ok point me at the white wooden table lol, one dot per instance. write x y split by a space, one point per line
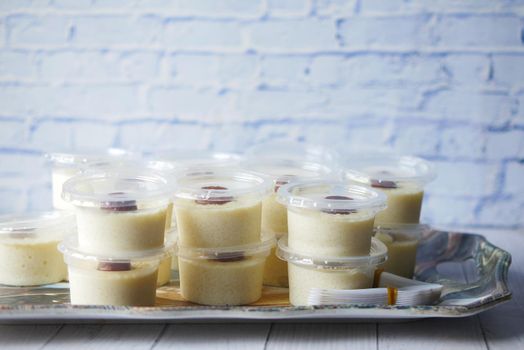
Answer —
499 328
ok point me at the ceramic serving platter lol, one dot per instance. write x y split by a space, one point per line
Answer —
473 271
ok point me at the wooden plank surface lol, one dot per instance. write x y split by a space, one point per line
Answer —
239 336
98 337
326 336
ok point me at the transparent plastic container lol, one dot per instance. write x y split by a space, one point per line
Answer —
120 210
312 271
223 276
330 218
28 247
219 207
402 241
67 165
128 279
401 178
166 265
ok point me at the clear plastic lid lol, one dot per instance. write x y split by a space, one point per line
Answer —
119 190
377 255
220 186
386 170
285 170
82 158
72 253
290 149
189 159
53 224
164 167
331 197
401 232
230 254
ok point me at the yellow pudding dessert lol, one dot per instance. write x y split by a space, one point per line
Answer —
223 276
119 210
400 178
402 242
307 271
282 169
219 208
330 218
29 253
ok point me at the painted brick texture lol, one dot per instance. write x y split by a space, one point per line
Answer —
440 79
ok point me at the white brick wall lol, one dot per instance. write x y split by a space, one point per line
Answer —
443 79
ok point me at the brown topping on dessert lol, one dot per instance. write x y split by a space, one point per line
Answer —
23 233
383 183
280 182
128 205
339 211
230 257
215 200
114 266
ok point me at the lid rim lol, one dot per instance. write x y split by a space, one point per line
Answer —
378 255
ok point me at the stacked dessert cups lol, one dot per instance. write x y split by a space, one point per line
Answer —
28 247
329 243
121 236
221 247
282 170
402 179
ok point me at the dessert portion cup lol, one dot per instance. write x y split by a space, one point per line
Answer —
401 178
223 276
330 218
308 271
402 241
274 215
29 253
219 207
111 279
119 211
67 165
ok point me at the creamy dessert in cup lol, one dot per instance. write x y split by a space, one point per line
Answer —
223 276
330 218
274 214
401 178
67 165
119 211
29 253
219 207
327 272
402 241
111 279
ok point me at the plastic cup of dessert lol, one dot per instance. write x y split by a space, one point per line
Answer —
402 241
67 165
223 276
327 272
112 279
330 218
29 253
219 207
164 168
401 178
274 215
120 211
